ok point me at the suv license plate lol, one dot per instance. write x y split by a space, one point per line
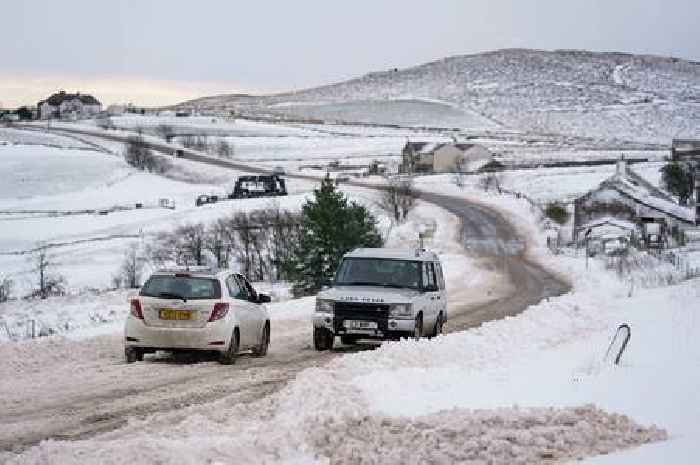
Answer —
171 314
356 324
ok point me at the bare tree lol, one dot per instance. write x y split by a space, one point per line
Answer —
49 283
201 143
490 181
398 198
217 242
190 243
224 149
188 141
129 274
240 222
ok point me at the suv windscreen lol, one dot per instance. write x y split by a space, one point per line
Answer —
181 287
378 272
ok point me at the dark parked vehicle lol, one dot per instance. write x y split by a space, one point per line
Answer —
204 198
258 186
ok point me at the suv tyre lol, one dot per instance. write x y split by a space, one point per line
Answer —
323 339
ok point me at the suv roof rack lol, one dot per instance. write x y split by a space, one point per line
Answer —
193 268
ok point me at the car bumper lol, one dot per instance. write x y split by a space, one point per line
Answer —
214 336
389 327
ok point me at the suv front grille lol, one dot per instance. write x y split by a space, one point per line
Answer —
361 311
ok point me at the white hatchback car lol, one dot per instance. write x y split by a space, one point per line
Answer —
198 311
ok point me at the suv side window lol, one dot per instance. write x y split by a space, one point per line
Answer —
234 289
428 276
440 277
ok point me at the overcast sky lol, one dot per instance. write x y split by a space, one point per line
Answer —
164 51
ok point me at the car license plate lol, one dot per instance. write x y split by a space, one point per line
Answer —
172 314
357 324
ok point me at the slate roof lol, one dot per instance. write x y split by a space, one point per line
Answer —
60 97
640 190
430 147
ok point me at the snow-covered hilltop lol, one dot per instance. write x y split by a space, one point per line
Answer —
603 95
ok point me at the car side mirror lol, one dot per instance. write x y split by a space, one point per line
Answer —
264 299
326 284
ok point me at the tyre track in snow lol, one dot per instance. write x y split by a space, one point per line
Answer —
110 394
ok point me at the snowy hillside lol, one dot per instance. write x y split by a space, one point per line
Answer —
603 95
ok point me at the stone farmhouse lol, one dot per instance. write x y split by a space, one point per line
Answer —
69 106
428 157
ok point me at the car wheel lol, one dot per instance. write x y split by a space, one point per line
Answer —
323 339
418 328
437 330
348 340
261 349
133 354
229 357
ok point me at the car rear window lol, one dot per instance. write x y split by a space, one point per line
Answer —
185 287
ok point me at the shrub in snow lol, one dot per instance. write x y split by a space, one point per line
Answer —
678 179
556 211
490 181
140 156
165 131
5 288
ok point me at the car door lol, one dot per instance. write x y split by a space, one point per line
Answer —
257 310
442 293
430 294
242 307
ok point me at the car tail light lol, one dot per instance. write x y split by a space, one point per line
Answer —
136 309
220 311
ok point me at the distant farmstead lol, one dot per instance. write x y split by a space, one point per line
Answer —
69 106
428 157
685 149
627 198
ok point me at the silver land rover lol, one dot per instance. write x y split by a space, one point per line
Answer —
382 294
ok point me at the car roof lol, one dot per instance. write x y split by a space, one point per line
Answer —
420 255
194 271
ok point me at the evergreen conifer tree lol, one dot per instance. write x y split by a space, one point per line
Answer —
331 226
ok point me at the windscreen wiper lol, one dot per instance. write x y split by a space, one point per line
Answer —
171 295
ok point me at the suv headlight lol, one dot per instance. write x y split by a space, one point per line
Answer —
324 306
401 310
